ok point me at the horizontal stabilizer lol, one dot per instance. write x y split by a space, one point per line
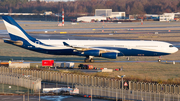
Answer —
19 43
8 40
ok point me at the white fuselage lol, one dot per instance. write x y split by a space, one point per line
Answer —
155 46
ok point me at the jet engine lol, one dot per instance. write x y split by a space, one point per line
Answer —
111 55
92 53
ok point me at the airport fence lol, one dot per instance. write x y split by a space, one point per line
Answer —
72 79
123 94
21 80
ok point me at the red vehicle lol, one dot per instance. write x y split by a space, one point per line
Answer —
89 67
49 63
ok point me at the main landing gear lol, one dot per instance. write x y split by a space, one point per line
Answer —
89 59
159 60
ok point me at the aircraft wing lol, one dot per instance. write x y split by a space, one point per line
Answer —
82 49
98 52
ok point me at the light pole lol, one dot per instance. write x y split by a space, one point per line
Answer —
122 84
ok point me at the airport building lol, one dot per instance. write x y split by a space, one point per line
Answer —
169 17
109 13
102 14
90 18
119 15
156 17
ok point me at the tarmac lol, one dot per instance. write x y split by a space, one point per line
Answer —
45 98
20 98
16 97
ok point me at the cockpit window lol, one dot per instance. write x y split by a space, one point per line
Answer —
171 46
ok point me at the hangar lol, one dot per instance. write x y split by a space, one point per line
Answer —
102 14
109 13
90 18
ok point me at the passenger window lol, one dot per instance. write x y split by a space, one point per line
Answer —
170 45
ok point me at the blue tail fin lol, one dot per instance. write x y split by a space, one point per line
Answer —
15 31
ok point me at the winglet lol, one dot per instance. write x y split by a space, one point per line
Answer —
66 44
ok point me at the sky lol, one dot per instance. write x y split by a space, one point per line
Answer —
53 0
58 0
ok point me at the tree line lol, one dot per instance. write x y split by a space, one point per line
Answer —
88 7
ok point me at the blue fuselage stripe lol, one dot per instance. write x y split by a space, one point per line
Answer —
123 51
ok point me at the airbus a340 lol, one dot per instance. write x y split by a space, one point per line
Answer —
87 48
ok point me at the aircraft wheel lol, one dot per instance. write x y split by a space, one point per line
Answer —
86 60
92 60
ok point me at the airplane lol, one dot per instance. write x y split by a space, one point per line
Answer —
88 48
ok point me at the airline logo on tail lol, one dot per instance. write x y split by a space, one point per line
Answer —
17 34
15 31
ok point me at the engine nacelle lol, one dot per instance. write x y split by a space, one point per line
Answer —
111 55
92 52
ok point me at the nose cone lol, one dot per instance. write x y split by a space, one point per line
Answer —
175 49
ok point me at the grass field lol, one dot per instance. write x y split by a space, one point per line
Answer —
145 35
5 88
53 25
159 72
143 71
139 32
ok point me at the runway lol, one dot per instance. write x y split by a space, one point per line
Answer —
72 37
